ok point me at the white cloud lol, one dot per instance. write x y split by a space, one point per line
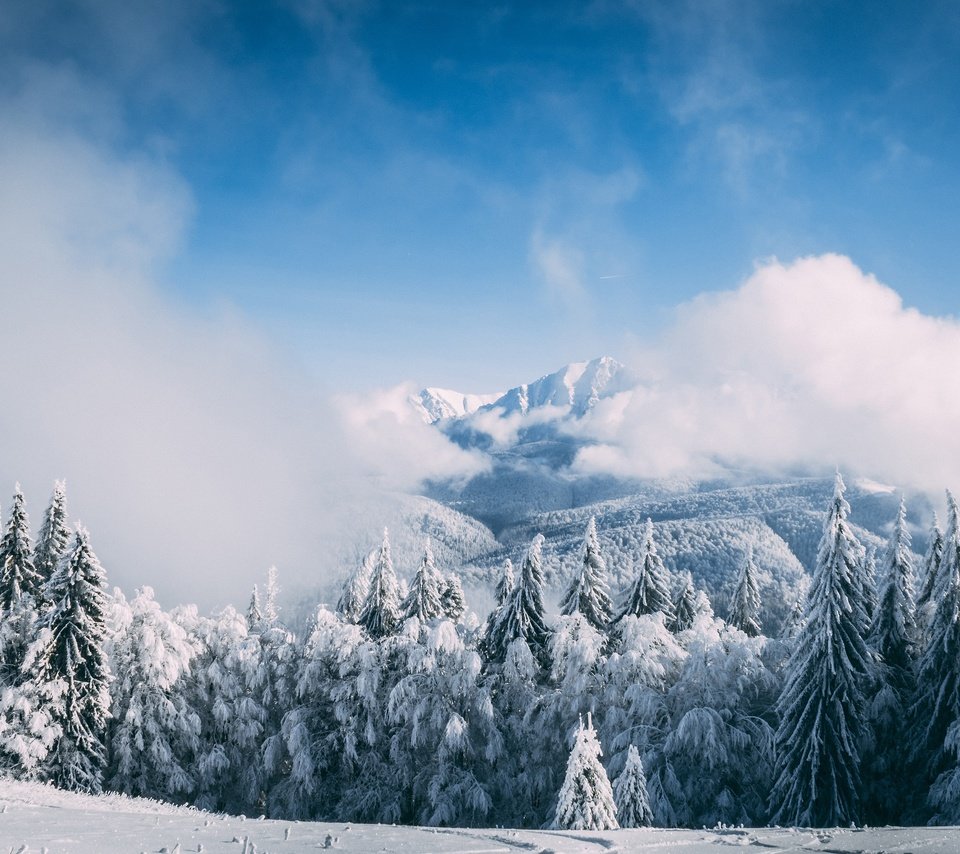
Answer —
812 363
559 266
197 451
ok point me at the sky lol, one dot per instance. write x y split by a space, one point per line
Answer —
235 236
471 194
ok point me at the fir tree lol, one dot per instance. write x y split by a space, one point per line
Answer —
18 577
936 708
893 638
423 599
926 601
522 615
630 793
156 734
745 608
254 612
505 582
381 609
650 591
817 778
356 588
589 593
52 539
685 607
452 598
586 800
271 611
68 664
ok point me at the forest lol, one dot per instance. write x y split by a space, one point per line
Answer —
640 707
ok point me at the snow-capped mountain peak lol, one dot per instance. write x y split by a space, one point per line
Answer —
575 387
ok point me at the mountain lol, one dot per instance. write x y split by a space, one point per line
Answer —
574 390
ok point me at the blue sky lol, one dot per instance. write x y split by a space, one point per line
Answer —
470 194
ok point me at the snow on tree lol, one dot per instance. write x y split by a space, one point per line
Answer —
936 709
381 609
271 611
446 738
156 735
589 592
254 611
68 665
28 729
821 707
927 600
630 793
505 582
522 615
685 606
53 537
650 591
893 637
356 588
793 625
18 577
745 607
423 599
452 597
228 767
586 799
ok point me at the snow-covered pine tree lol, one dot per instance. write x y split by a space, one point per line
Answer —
156 735
630 793
271 611
452 599
936 709
893 637
505 582
817 777
356 588
589 592
684 606
927 600
68 664
19 591
793 624
254 611
381 609
423 598
52 539
586 799
18 577
650 591
745 607
869 586
522 615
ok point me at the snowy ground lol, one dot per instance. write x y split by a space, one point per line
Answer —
35 818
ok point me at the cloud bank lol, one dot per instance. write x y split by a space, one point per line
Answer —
807 364
197 451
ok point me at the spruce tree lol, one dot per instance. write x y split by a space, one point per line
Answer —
452 598
936 707
69 664
381 609
505 582
893 638
423 599
522 615
589 592
356 588
745 607
586 800
685 607
53 537
926 601
650 591
630 793
271 611
821 707
18 577
254 611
